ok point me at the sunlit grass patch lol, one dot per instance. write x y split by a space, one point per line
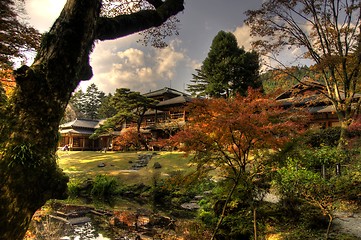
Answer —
83 165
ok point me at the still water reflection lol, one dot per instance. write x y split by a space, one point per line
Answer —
84 231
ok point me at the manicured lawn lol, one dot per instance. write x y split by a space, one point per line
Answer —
83 165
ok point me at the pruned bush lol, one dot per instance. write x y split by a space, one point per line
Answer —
104 187
322 137
74 188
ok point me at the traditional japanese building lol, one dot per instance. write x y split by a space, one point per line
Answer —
166 117
168 113
311 95
159 122
76 135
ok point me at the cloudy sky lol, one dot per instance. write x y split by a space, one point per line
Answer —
126 63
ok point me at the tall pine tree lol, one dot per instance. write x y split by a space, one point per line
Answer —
106 109
77 102
227 70
87 104
92 101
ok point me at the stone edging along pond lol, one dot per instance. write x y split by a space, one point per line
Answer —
126 224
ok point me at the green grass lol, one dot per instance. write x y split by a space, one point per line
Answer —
83 165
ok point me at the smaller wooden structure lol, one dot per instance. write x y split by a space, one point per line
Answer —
75 135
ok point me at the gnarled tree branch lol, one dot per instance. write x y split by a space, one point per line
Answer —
123 25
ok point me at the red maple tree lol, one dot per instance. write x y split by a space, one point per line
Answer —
227 133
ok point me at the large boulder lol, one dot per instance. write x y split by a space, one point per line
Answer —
157 165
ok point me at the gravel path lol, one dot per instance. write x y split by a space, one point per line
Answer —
348 223
345 222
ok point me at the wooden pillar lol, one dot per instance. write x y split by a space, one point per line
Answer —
71 141
338 169
156 116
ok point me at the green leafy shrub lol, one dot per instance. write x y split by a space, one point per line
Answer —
237 226
349 184
206 212
104 187
74 188
322 137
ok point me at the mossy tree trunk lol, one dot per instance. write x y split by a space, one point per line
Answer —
344 125
29 175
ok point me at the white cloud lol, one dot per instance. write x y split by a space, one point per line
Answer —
132 56
167 60
137 68
43 13
243 37
287 57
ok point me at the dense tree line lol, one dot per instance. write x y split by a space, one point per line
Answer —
89 104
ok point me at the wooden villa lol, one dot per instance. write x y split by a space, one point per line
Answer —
167 116
163 120
309 94
170 106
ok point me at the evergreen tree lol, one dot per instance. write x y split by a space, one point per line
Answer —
130 107
92 101
77 101
107 109
87 105
227 70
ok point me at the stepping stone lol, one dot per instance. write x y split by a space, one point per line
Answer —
80 220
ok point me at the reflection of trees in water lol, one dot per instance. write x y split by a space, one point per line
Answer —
46 228
51 228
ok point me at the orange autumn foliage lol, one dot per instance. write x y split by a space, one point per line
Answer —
229 129
128 139
7 81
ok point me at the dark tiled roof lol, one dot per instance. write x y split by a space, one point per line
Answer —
301 87
163 91
308 92
152 112
82 131
174 101
322 109
80 123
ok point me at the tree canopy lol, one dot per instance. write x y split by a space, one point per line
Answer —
106 109
130 107
227 70
16 36
325 32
